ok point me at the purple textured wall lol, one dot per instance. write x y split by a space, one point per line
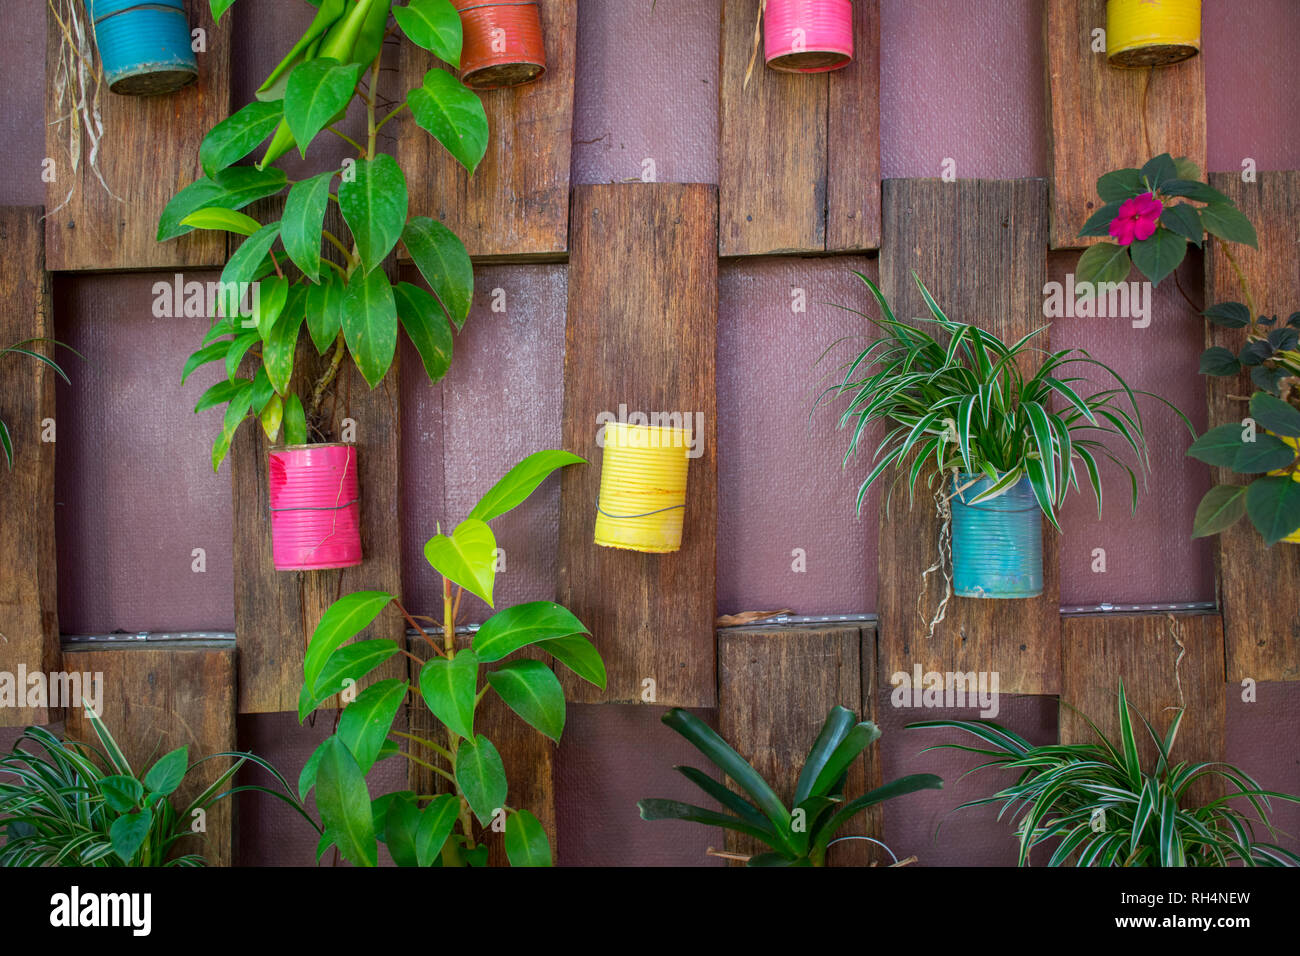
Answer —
958 80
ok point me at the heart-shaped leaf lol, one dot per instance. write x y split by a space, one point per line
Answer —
434 25
467 557
453 115
449 687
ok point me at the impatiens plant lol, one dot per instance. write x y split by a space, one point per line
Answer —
1152 214
439 829
797 835
344 298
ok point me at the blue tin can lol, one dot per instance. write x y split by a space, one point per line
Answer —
997 545
145 48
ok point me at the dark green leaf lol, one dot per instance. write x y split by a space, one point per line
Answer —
453 115
532 691
166 775
317 91
1275 415
1228 223
374 203
1231 315
1274 507
1268 379
427 327
121 792
1182 219
303 220
1159 255
1158 171
325 311
242 265
1121 184
129 832
481 777
221 393
238 135
1219 446
1219 361
369 319
401 821
441 258
449 687
526 842
1098 224
436 823
295 421
579 655
344 804
434 25
507 631
1104 262
1265 453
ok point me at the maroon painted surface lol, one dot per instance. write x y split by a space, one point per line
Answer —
134 489
962 81
501 401
1252 100
646 87
1149 556
22 104
614 755
1261 740
781 483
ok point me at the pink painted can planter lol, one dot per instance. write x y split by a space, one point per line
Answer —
808 36
315 507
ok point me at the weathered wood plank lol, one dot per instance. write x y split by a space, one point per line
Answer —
1166 661
516 205
29 627
642 332
853 140
156 698
775 688
948 232
1104 118
1257 585
277 611
527 756
149 151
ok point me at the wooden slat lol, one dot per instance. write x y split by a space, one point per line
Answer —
527 755
853 140
516 205
1144 650
160 697
1097 114
277 611
642 331
150 150
775 688
1262 634
948 233
798 155
29 627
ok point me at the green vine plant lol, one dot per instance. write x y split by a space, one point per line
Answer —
67 803
438 829
1154 213
345 299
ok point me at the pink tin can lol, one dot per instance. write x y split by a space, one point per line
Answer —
808 36
315 507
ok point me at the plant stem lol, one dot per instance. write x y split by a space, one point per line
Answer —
391 113
346 138
428 766
337 243
423 741
318 393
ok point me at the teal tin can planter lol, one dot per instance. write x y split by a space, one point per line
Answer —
997 545
144 48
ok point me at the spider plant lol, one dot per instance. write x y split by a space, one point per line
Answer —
1106 810
963 400
65 803
21 348
798 835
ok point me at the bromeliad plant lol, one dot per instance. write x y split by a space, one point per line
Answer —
1106 810
345 299
420 829
1153 213
65 803
798 835
963 404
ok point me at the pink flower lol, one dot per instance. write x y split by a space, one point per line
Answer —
1137 219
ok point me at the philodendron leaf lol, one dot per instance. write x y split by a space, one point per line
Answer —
128 833
507 631
279 349
226 220
532 691
122 792
445 264
241 267
1274 414
374 202
467 557
580 656
232 188
317 91
349 663
427 327
434 25
436 823
295 421
303 220
166 775
453 115
526 842
325 311
369 319
1274 507
365 723
344 804
1222 507
400 820
449 687
1104 262
521 481
238 135
481 777
342 620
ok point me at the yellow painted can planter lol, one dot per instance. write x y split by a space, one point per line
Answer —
1152 32
642 488
1293 537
